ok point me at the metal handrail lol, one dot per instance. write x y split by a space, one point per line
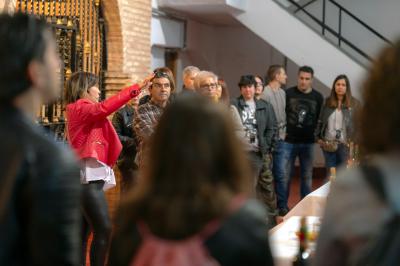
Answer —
360 21
338 34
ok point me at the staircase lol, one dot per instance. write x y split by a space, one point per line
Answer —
302 31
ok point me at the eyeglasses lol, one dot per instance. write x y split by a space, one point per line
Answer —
209 86
259 84
161 85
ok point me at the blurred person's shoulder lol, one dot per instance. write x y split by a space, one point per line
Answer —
351 202
242 238
246 225
37 144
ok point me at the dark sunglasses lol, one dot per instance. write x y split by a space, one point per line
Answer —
160 74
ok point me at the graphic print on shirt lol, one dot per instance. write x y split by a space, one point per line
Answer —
302 112
250 125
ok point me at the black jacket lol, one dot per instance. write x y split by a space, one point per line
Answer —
266 122
39 196
123 124
241 240
348 114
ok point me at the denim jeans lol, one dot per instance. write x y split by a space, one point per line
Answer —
305 152
280 160
337 158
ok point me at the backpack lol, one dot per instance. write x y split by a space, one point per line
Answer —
384 250
155 251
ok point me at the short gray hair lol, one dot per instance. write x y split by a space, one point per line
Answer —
202 75
190 70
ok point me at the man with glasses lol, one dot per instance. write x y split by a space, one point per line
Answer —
259 124
149 113
205 84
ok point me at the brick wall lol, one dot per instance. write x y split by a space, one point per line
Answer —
7 5
136 22
128 42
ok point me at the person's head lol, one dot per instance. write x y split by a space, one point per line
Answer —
134 102
169 73
222 91
28 58
379 123
276 73
205 84
162 86
259 88
195 169
341 91
305 78
247 85
82 85
188 76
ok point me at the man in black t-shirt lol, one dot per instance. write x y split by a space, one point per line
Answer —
303 106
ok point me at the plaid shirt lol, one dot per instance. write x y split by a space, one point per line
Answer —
146 119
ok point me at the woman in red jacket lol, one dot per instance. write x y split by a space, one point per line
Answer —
95 141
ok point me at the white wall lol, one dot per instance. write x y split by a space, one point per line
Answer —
231 52
301 44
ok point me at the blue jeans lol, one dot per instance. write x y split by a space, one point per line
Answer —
279 165
305 152
337 158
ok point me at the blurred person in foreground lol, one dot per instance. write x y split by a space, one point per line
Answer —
193 201
39 181
365 199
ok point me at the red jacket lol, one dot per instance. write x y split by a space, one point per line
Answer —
90 133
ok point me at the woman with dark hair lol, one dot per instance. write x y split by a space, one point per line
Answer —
335 128
363 202
222 92
199 180
259 86
96 143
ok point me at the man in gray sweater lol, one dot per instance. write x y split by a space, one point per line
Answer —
275 95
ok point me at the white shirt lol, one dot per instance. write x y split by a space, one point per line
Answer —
335 124
94 170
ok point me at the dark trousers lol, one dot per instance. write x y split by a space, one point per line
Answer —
97 220
305 152
128 170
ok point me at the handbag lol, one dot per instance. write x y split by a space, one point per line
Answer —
329 145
